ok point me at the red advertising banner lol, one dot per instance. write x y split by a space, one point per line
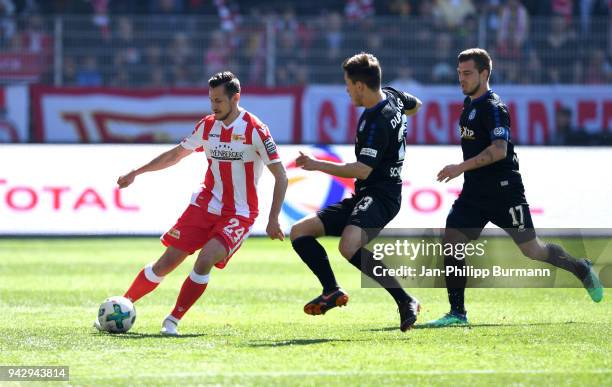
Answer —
20 66
314 115
329 116
105 115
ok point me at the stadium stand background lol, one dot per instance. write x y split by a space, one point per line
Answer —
179 43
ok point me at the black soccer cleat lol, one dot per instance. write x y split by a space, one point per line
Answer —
408 311
325 302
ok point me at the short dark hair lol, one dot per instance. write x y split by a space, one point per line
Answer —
480 56
363 67
228 79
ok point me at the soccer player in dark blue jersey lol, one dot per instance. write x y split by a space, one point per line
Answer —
493 189
379 150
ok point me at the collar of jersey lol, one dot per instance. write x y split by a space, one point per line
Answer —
378 105
482 97
233 122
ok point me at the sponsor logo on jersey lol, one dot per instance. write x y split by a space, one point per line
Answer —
368 152
214 135
225 152
472 115
238 137
395 171
270 146
499 131
466 133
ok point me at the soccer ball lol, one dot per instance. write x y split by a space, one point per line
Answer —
116 315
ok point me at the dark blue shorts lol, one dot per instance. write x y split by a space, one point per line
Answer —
504 206
368 210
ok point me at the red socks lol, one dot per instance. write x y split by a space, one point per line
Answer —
144 283
192 289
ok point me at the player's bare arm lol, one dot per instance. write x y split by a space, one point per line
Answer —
164 160
493 153
354 170
273 229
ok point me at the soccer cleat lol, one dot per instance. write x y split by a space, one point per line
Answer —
408 311
448 320
323 303
591 282
169 327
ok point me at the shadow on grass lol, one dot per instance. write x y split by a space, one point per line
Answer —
136 335
284 343
470 326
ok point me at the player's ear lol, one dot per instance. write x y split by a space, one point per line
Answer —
360 86
236 98
487 74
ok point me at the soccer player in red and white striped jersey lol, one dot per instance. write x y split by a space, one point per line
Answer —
221 214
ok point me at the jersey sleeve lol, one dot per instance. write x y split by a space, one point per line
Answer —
408 100
497 122
373 150
194 141
265 145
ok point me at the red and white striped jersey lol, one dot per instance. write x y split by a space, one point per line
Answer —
236 155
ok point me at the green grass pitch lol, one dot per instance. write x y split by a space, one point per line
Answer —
249 328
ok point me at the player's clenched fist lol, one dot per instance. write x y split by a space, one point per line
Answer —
274 230
126 179
306 162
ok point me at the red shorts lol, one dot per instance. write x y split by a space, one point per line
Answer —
197 226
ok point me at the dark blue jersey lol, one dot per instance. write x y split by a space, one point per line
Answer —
484 120
380 141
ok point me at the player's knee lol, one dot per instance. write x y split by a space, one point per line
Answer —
299 230
348 249
296 232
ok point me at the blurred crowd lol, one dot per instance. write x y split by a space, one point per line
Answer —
179 43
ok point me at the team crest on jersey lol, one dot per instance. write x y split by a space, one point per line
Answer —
361 126
472 115
238 137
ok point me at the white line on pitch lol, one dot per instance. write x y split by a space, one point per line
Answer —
373 373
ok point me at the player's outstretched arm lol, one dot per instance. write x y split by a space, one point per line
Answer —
164 160
493 153
273 229
356 170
